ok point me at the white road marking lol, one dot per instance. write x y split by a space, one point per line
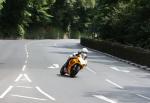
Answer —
104 98
27 56
126 71
90 70
26 48
27 77
54 66
21 75
7 90
109 81
18 78
23 68
29 97
148 98
23 87
115 68
50 97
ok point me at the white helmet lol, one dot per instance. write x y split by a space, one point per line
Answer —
84 50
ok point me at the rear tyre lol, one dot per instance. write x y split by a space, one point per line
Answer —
62 70
75 69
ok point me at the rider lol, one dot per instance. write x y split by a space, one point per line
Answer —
82 53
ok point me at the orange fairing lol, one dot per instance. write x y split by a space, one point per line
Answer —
72 62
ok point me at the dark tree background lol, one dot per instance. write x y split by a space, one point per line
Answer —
124 21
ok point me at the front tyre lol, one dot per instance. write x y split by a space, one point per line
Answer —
75 69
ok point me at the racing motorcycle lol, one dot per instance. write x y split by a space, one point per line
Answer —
74 65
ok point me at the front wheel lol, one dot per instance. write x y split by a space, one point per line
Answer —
75 69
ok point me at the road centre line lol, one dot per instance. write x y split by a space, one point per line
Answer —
27 56
29 97
47 95
104 98
7 90
23 87
90 70
148 98
26 48
115 84
23 68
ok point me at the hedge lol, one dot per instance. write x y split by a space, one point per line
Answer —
134 54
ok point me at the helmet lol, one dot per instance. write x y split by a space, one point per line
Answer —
84 50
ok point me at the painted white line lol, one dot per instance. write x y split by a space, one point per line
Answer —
148 98
26 48
50 97
18 78
109 81
29 97
104 98
27 77
54 66
27 56
126 71
23 87
7 90
51 67
23 68
90 70
27 53
114 68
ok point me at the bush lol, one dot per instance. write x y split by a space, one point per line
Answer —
134 54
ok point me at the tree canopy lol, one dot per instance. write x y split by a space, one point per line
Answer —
124 21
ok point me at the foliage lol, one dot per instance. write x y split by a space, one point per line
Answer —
130 53
124 21
13 17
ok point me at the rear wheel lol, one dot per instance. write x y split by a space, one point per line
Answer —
75 69
62 70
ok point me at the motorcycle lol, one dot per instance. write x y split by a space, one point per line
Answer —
74 65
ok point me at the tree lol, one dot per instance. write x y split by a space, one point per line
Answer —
71 13
13 19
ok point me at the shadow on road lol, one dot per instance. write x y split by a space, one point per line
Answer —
65 76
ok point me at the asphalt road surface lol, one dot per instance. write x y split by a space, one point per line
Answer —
29 73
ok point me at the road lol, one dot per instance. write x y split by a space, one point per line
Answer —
29 73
